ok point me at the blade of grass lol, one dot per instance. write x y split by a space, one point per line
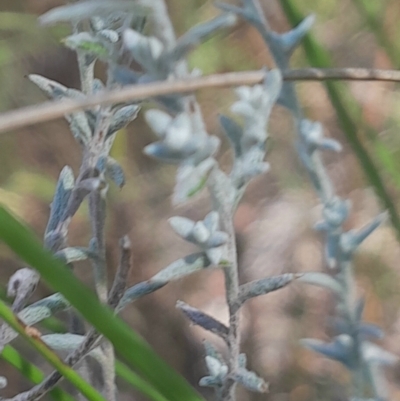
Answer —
31 372
137 382
33 339
348 112
133 349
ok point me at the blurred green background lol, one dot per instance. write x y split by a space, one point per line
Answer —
274 222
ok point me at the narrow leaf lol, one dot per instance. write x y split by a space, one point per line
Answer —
264 286
124 339
322 280
203 320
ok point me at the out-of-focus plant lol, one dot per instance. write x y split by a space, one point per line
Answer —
112 33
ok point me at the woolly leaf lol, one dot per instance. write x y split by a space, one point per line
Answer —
123 117
370 330
87 9
373 353
264 286
339 350
196 34
74 254
251 381
234 132
182 226
191 180
158 121
215 255
61 197
181 268
21 286
352 239
137 291
290 40
114 171
216 368
322 280
203 320
145 50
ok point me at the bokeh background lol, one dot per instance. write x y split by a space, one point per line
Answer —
274 222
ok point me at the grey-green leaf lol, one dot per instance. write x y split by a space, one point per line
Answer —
322 280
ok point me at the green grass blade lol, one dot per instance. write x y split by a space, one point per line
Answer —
85 388
137 382
31 372
348 112
127 343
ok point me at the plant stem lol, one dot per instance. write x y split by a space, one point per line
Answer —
232 295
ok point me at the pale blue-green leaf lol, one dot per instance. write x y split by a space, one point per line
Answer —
215 254
137 291
216 368
53 89
264 286
375 354
211 221
196 34
217 239
181 268
182 226
74 254
234 132
190 180
203 320
322 280
64 188
21 286
209 381
115 172
82 10
158 121
370 331
123 117
250 381
290 40
200 233
341 349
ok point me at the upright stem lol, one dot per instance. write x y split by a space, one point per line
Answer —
165 31
232 293
97 212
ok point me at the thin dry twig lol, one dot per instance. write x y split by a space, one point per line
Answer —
52 110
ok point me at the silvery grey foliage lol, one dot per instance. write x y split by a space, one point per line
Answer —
109 31
350 346
21 286
203 320
204 234
183 140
